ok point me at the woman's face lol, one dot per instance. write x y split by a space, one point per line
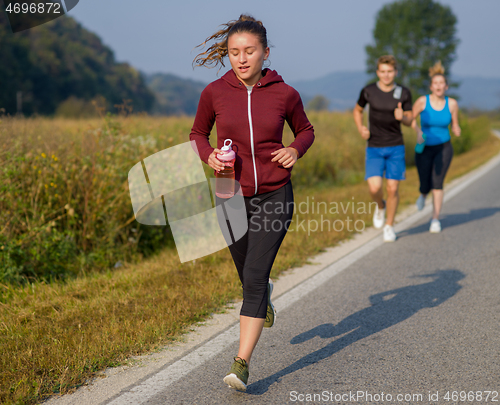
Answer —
438 86
247 56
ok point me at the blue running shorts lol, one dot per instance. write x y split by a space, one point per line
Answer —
388 159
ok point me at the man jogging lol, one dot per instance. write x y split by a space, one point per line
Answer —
389 105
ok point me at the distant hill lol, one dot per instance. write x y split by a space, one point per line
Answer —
342 90
174 95
479 93
61 61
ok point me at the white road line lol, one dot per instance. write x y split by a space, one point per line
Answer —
157 383
160 381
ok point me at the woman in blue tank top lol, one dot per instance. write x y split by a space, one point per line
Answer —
434 151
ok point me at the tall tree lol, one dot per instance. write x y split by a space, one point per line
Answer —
318 103
418 33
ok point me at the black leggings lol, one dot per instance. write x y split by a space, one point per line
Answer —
268 216
432 165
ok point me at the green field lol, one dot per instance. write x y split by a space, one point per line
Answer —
66 220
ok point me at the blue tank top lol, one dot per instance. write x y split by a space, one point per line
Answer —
435 123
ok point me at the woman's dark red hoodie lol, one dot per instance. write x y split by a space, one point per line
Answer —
254 121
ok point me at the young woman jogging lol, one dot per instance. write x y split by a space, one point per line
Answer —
250 105
436 113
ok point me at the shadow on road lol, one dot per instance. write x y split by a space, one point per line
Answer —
387 309
447 221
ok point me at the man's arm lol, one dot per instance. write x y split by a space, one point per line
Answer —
406 117
357 113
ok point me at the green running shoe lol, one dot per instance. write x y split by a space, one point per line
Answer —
238 375
271 312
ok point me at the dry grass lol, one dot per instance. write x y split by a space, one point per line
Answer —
65 207
54 336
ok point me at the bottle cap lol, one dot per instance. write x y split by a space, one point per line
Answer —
227 154
227 147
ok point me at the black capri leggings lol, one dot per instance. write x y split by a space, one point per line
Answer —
432 165
268 215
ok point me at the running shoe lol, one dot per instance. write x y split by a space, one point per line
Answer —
421 202
237 377
389 234
379 217
271 312
435 226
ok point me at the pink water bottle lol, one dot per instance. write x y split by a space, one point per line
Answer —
224 180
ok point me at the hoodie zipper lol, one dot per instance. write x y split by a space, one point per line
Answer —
249 91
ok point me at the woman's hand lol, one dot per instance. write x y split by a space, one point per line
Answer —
456 130
215 163
420 138
285 156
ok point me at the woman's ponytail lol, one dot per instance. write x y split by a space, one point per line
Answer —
216 52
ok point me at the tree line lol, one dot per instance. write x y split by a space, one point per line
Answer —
61 61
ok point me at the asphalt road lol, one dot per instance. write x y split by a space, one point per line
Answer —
415 321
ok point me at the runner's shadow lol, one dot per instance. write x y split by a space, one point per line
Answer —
387 309
447 221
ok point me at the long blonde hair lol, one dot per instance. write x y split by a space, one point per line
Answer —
216 52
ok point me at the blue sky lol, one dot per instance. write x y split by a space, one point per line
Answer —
310 38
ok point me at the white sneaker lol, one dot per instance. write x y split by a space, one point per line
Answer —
379 217
435 226
421 202
389 234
